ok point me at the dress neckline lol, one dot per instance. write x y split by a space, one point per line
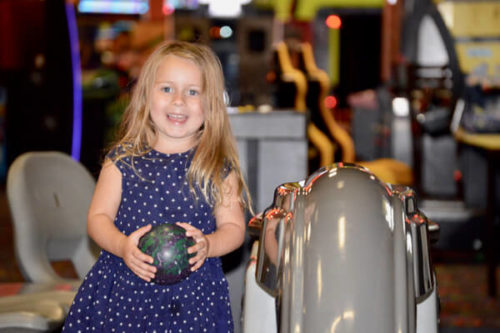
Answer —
180 154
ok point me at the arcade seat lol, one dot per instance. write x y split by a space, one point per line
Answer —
292 82
48 194
386 169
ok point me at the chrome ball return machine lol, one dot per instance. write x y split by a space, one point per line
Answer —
341 252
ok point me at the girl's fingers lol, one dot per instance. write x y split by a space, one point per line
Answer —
201 246
195 248
143 270
200 249
137 234
190 230
146 268
144 277
197 261
143 257
185 225
139 262
197 265
144 261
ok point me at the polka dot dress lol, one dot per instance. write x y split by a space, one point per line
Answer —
113 299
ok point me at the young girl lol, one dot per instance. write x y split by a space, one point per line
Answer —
176 162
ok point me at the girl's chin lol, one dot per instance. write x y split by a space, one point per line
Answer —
179 139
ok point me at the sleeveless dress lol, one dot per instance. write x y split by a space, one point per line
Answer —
113 299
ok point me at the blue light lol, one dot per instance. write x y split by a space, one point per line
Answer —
113 6
226 31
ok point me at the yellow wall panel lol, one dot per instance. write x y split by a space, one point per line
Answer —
474 54
471 18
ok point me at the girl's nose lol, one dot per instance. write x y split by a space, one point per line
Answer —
178 98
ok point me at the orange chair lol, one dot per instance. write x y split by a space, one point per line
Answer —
287 73
386 169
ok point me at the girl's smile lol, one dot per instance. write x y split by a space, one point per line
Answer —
177 119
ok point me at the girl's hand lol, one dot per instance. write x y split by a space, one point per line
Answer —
200 248
135 259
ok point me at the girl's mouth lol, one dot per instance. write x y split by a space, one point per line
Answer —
176 117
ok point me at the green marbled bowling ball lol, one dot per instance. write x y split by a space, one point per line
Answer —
167 244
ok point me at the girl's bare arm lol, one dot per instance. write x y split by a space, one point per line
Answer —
230 220
230 232
101 228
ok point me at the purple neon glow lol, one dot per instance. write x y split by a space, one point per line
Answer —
76 141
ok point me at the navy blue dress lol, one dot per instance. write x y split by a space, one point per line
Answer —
113 299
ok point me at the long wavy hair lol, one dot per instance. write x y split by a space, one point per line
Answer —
216 149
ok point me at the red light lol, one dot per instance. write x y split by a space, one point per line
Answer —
167 9
330 102
271 77
333 22
214 32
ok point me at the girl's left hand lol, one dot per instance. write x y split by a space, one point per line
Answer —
200 248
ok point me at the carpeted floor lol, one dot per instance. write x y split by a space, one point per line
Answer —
463 295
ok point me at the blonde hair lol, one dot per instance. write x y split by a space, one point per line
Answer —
216 150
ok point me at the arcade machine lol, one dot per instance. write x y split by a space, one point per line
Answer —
255 51
40 75
42 79
353 42
452 83
110 63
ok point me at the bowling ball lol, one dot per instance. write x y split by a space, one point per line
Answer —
168 244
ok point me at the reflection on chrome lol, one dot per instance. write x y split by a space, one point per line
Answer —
389 213
345 315
332 173
255 225
418 237
273 223
341 233
409 244
319 274
308 233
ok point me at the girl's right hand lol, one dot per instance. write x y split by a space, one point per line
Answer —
135 259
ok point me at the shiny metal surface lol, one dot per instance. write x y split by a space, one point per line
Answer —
274 221
418 230
344 252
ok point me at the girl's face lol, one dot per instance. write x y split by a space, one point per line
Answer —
177 104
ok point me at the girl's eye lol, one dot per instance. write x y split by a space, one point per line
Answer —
166 89
193 92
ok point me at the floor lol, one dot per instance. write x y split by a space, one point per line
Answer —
465 307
